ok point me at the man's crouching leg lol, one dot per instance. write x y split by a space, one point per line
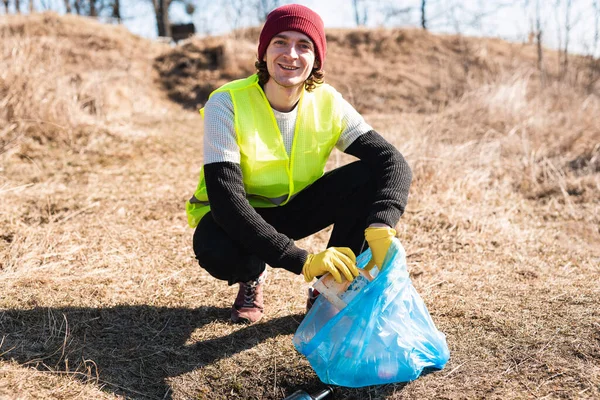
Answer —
227 260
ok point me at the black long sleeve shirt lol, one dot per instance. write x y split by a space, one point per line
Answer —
232 211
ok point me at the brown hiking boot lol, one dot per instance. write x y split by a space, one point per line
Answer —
248 305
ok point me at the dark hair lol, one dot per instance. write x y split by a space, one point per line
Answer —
316 77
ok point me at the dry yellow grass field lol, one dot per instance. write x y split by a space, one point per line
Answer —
100 295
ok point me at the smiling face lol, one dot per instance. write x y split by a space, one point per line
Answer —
290 58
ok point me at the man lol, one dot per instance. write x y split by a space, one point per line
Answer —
267 139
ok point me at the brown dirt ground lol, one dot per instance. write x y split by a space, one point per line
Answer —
100 296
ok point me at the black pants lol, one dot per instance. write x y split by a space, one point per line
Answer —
341 197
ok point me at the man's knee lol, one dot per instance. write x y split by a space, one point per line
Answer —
210 248
220 256
357 173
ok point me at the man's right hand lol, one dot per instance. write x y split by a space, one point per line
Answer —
337 261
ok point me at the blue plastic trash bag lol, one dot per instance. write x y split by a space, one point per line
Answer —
384 335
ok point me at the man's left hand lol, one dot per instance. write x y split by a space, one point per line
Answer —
379 239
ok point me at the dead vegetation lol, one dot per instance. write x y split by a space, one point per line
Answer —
100 296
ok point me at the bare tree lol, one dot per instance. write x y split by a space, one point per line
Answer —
29 6
540 52
361 12
474 17
434 13
593 72
391 11
559 34
116 10
92 8
44 5
161 10
264 7
596 6
564 21
565 65
17 4
237 11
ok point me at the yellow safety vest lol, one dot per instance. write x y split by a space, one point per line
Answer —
271 177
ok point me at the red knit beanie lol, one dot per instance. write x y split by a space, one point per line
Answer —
294 17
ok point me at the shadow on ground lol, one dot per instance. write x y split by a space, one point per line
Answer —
134 349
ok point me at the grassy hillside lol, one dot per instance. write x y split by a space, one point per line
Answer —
377 70
100 146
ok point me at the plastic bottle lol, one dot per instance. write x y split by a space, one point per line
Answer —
340 294
302 395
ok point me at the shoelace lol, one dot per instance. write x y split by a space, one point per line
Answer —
250 293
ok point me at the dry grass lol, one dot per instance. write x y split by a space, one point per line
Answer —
100 296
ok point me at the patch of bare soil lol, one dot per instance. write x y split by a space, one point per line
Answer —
100 296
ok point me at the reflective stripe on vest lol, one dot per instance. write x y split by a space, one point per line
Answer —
271 177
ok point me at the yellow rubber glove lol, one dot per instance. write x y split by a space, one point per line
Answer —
337 261
379 240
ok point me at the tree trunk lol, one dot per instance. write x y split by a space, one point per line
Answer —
5 6
596 27
67 6
263 7
116 11
31 7
161 8
360 18
165 17
93 12
540 52
559 36
567 34
423 18
18 6
77 5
